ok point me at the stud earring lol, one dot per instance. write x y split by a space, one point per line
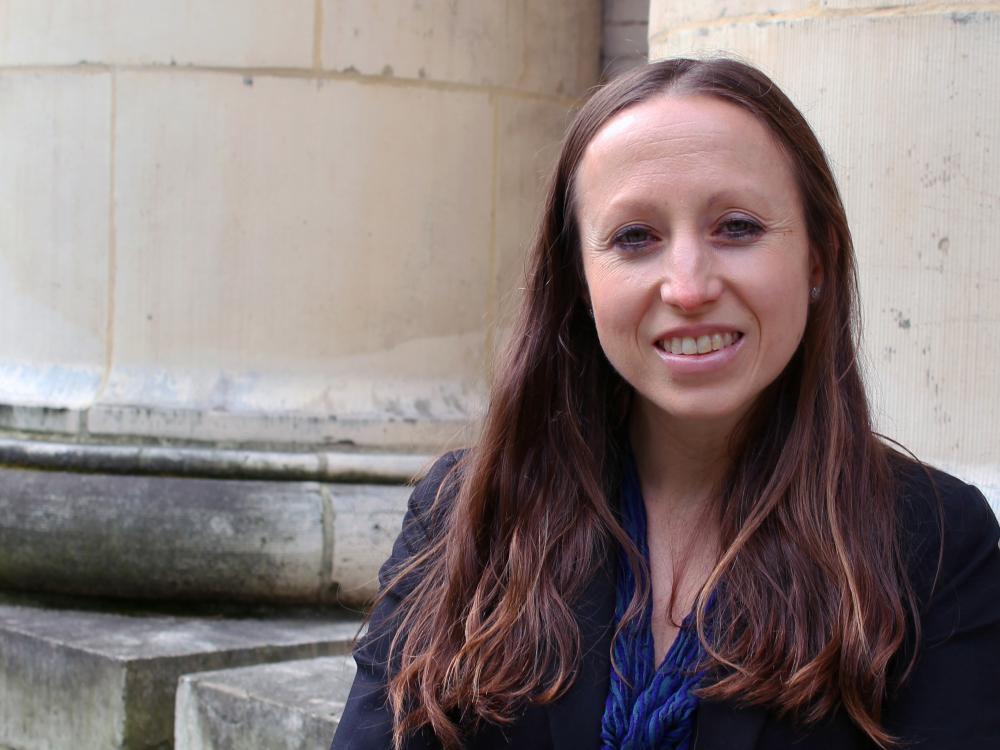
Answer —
814 293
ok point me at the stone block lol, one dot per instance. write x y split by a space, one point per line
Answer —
625 40
626 11
916 153
297 429
73 676
273 33
361 212
529 136
46 419
55 136
366 521
876 5
173 538
666 15
293 705
162 537
544 46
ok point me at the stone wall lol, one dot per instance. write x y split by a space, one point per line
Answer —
905 97
285 221
624 44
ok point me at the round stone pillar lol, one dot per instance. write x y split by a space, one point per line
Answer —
254 263
288 222
905 97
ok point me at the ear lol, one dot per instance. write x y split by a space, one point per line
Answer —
815 270
815 264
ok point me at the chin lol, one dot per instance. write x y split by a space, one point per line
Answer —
705 410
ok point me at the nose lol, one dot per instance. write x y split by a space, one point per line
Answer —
689 279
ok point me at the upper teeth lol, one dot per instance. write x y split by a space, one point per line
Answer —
700 345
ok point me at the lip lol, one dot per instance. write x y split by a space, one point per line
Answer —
699 364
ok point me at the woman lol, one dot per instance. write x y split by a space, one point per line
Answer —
678 528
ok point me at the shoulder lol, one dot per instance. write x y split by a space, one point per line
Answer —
426 516
442 468
434 493
949 534
949 537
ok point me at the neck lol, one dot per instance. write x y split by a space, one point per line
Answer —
682 463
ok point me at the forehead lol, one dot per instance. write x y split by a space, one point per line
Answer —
690 140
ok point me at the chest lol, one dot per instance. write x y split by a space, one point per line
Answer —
680 561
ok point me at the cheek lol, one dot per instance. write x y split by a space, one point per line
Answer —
782 309
619 305
616 327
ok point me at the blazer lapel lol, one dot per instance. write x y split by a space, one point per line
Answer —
726 726
575 719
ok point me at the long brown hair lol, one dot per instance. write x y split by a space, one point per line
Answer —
812 596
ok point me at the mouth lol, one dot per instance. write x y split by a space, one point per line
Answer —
687 346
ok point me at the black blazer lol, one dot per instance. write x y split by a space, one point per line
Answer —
950 702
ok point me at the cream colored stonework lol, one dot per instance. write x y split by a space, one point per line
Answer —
262 33
248 272
889 5
271 222
907 103
533 46
55 188
216 216
626 11
529 133
666 16
624 42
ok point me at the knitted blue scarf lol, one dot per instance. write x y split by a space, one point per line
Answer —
647 707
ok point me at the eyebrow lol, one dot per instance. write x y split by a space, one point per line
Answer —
640 201
730 195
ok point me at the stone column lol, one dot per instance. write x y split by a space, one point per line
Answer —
284 222
905 97
270 240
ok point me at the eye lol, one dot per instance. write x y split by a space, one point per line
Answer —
632 238
739 229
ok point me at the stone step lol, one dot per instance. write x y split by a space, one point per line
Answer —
292 705
74 676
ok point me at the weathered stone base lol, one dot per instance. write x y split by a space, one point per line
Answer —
173 538
72 676
288 706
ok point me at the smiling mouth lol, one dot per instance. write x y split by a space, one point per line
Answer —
691 345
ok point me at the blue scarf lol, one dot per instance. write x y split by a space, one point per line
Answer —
647 707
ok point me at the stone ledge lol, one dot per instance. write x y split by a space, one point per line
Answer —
381 467
150 537
291 705
275 429
74 676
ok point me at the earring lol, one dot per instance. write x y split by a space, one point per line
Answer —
814 293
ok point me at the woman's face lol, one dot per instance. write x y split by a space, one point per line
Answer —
695 254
